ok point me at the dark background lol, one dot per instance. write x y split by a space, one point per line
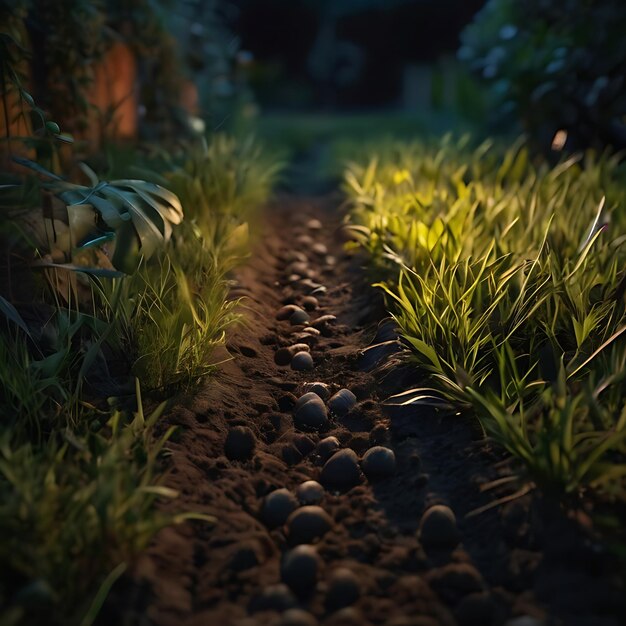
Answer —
299 47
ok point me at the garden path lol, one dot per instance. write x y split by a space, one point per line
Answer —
378 558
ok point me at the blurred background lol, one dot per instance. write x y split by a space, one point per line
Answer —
302 71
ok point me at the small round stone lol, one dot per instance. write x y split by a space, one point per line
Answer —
348 616
310 492
379 462
300 569
290 454
323 321
341 471
309 330
299 347
307 397
297 617
311 414
314 224
285 312
475 608
299 317
304 240
302 361
438 527
310 303
327 447
343 589
525 620
278 506
240 443
308 523
454 581
342 402
319 248
276 597
295 255
321 389
283 356
299 267
303 443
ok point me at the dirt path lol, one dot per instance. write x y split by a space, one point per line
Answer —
374 563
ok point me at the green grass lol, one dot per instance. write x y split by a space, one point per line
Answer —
80 483
507 278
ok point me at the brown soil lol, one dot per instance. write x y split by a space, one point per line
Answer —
521 558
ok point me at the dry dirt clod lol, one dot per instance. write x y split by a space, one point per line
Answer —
300 569
302 361
342 402
438 528
379 462
240 443
341 471
278 506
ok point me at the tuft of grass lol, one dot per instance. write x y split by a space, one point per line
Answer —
75 510
506 277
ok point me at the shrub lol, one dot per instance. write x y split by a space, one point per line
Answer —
554 65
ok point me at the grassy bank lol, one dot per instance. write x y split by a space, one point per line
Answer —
506 276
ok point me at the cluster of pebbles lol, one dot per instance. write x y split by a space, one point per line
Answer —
302 517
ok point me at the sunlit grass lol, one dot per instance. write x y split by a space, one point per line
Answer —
506 274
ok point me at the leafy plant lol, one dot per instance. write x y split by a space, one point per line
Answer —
77 510
498 269
554 65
